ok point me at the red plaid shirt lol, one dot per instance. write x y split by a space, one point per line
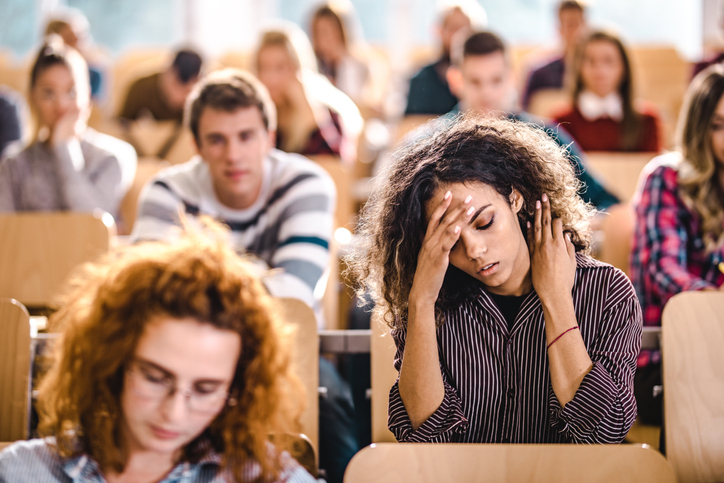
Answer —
668 254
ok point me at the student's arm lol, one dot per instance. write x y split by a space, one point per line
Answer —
7 203
662 239
304 234
420 384
604 407
159 213
553 271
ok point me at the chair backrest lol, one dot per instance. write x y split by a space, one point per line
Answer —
343 177
14 370
692 329
548 102
382 377
39 250
619 172
420 463
306 359
409 123
146 169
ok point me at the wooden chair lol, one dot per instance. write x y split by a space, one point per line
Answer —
165 139
132 66
548 102
692 329
616 229
409 123
306 359
382 377
146 169
14 370
343 177
619 172
39 250
421 463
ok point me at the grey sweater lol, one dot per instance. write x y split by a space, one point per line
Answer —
79 175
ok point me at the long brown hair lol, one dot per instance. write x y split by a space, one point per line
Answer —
502 154
698 174
631 123
103 318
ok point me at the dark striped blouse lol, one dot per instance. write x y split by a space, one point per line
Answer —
497 381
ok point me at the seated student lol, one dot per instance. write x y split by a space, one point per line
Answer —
506 331
481 76
603 115
68 166
333 38
429 92
551 75
73 27
172 366
313 117
279 207
163 95
679 240
11 129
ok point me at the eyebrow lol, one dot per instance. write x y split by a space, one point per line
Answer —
168 373
477 213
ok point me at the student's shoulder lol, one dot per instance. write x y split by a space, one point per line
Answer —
601 273
104 144
32 461
289 166
665 167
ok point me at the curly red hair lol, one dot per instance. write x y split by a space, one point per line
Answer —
103 317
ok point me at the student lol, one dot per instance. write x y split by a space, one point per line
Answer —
551 75
313 116
279 207
679 240
603 115
11 129
68 166
162 95
429 92
482 79
506 331
341 58
172 366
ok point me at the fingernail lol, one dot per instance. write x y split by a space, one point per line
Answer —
467 200
447 195
456 230
568 236
528 223
537 204
470 210
545 197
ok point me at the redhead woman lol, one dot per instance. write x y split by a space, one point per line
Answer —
173 366
475 247
68 166
604 116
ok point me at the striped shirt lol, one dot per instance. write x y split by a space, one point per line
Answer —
497 380
288 227
35 461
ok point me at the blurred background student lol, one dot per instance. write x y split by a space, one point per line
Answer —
313 116
67 166
603 115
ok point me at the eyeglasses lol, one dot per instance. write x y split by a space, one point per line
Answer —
157 386
49 96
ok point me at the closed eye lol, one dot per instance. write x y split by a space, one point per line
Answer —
487 225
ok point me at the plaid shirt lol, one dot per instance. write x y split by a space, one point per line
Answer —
668 254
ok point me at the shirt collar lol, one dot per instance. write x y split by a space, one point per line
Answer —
593 107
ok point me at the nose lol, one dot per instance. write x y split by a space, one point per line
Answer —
174 407
473 246
233 150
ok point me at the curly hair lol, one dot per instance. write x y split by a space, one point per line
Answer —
104 315
699 171
503 154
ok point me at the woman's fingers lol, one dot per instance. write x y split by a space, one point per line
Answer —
537 228
557 229
438 214
546 217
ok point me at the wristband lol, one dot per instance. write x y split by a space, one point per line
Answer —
562 334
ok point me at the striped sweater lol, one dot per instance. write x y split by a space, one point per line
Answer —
288 227
497 379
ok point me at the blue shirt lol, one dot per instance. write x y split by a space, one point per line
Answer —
34 461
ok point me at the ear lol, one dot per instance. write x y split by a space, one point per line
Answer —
272 139
516 201
455 80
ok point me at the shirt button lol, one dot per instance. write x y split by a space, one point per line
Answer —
511 393
510 341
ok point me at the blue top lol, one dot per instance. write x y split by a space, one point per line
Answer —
429 91
35 462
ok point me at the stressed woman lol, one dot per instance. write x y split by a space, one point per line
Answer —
172 367
474 247
68 166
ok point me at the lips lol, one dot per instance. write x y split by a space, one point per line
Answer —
488 269
236 174
165 434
